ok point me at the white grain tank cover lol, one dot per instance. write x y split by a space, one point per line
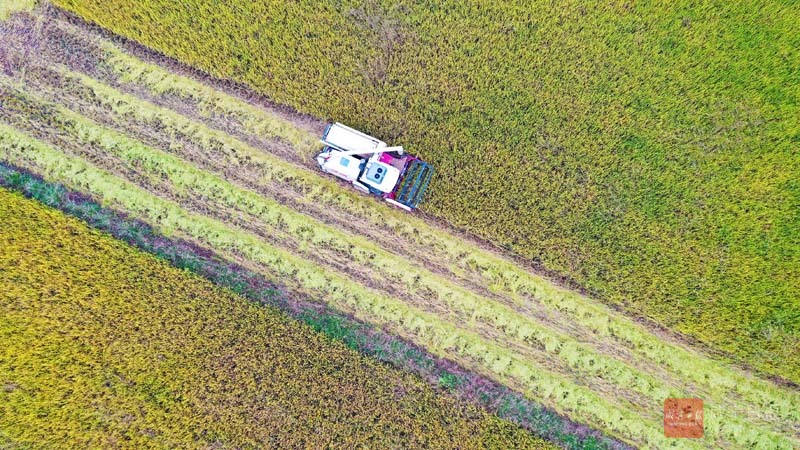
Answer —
346 139
345 167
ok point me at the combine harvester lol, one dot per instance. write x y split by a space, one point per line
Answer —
372 167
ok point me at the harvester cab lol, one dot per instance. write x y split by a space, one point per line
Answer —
372 167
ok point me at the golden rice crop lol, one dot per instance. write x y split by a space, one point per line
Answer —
583 137
105 346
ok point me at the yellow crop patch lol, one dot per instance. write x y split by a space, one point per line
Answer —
104 346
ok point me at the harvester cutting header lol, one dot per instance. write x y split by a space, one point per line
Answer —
372 167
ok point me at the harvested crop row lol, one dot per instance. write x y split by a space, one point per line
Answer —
509 280
212 369
436 335
63 43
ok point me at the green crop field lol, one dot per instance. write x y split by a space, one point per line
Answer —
646 150
106 347
208 167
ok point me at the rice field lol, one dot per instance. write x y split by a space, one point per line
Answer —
647 151
444 375
204 165
108 347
